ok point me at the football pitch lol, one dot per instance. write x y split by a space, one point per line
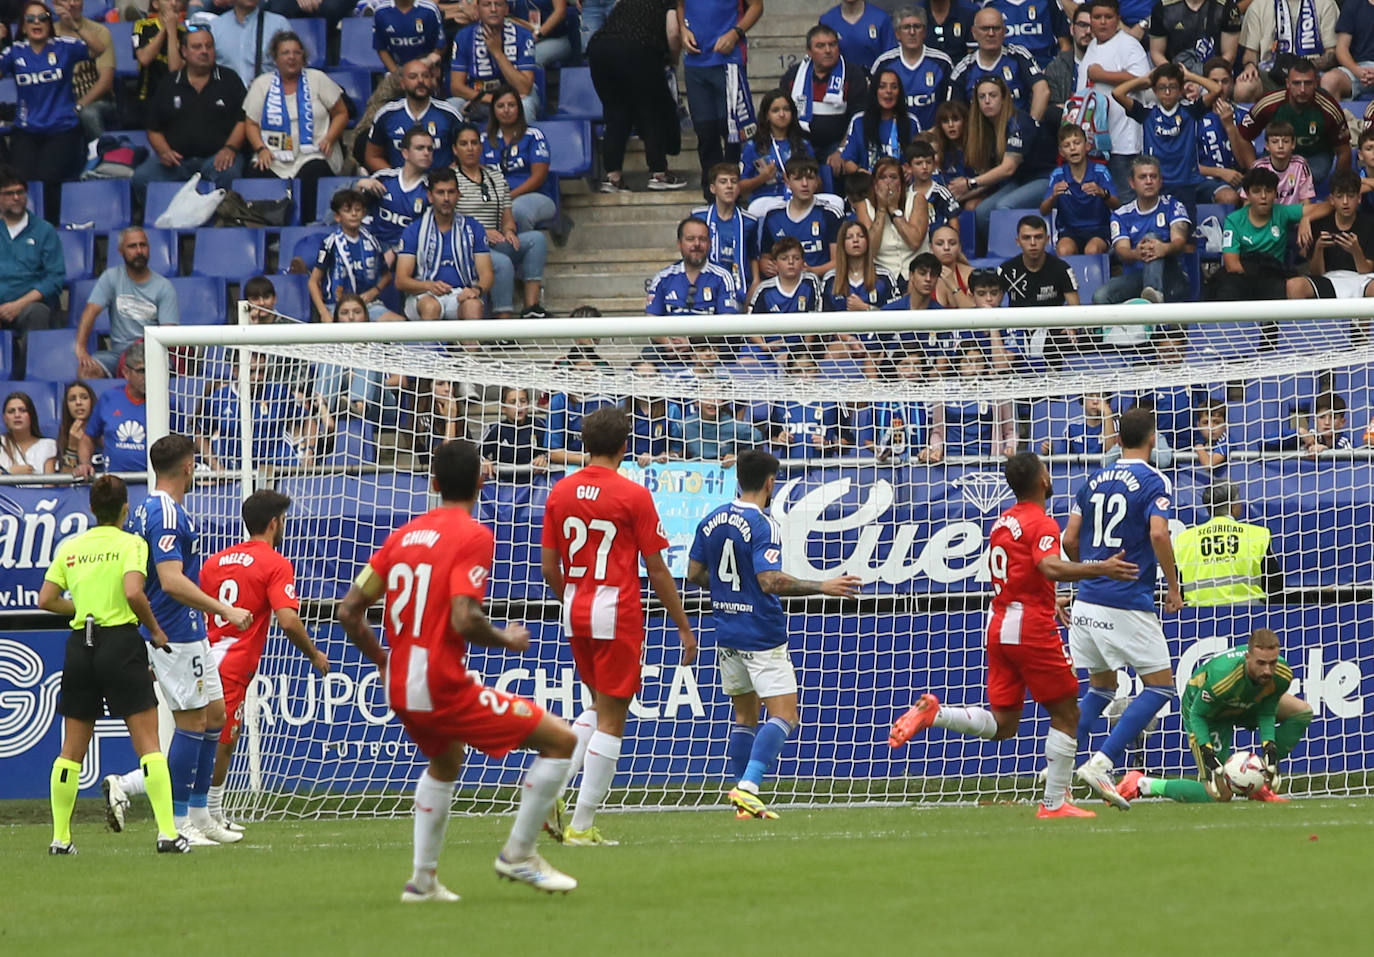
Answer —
1160 880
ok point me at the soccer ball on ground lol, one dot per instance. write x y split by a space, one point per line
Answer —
1244 771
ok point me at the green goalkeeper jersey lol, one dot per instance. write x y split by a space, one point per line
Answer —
1220 692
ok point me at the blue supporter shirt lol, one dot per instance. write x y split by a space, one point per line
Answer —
862 42
736 542
473 60
925 83
407 35
46 101
864 154
900 426
968 427
1036 25
838 301
564 421
816 231
398 207
119 423
709 20
734 244
1016 67
1213 145
802 422
1082 439
942 206
171 536
671 293
458 249
1116 504
954 37
1357 19
778 153
771 297
273 408
1367 200
349 264
394 120
1172 138
1079 213
1130 223
655 433
516 160
1221 446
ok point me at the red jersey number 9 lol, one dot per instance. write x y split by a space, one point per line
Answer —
997 567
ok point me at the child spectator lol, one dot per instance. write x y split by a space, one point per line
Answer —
1081 189
1342 263
801 429
714 433
935 348
512 440
1090 429
950 119
734 234
897 427
1216 158
78 401
1294 175
919 164
350 260
656 424
764 157
811 223
1366 169
792 289
1209 433
856 283
976 427
1324 431
1254 250
1171 126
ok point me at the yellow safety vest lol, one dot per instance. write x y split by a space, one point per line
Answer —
1221 562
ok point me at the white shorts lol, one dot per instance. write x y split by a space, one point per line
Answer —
1341 284
766 673
189 677
448 305
1106 639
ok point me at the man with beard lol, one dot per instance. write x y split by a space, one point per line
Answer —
416 109
136 296
693 285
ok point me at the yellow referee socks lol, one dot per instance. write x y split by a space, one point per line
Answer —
158 781
62 791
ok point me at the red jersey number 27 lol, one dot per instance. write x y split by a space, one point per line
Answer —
579 535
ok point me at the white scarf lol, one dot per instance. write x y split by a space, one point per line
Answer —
277 121
804 84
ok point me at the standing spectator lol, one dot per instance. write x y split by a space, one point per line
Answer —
1255 240
1353 77
489 53
1030 91
777 139
863 30
416 107
692 286
78 401
1081 190
883 128
715 434
1342 262
402 193
713 36
896 221
118 427
1295 176
949 27
158 41
32 267
1148 235
23 450
1323 136
1191 32
47 143
924 71
1008 152
548 21
195 122
93 80
513 441
1268 50
628 57
242 35
1172 126
136 298
856 284
1039 26
294 119
734 234
443 266
521 153
827 90
1113 57
350 260
1217 135
1062 72
330 10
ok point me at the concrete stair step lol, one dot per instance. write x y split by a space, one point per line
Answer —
592 240
591 281
659 251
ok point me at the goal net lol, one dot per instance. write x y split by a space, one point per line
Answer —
891 431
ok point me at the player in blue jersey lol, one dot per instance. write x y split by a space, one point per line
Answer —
737 554
692 286
1009 62
352 260
405 30
793 289
923 70
402 193
418 108
864 30
805 218
734 234
1124 507
1172 127
187 674
1038 25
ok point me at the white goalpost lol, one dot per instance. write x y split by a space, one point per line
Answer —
891 430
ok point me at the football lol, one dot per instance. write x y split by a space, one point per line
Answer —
1244 771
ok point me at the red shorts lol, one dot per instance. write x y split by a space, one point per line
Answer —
493 722
235 690
610 666
1045 670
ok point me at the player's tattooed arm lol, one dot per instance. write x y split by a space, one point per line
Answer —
698 575
785 586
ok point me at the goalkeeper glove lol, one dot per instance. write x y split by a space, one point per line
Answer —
1212 763
1271 765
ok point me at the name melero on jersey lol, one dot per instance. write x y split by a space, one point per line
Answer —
235 558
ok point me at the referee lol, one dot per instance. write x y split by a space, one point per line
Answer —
107 662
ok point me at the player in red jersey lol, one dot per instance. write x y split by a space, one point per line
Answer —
255 576
1025 649
433 571
597 524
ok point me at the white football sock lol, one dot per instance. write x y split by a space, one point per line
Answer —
433 802
542 783
200 816
583 728
977 722
132 783
603 754
1060 750
214 801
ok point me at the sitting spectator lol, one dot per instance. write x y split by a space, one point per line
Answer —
656 425
402 193
1342 261
261 296
547 20
827 90
1216 156
158 41
864 31
484 196
1353 77
1062 73
1268 50
1148 236
949 26
1210 441
336 390
953 290
47 142
78 401
93 80
805 218
923 71
802 429
896 220
1254 250
1172 127
295 119
242 35
792 288
919 165
443 265
856 283
1190 32
1322 133
976 427
1294 175
1090 430
566 409
439 418
734 234
951 123
1026 86
136 298
32 266
118 427
350 260
1037 278
1366 168
1002 347
23 450
932 349
1010 155
714 433
1081 191
692 286
883 128
490 53
521 153
195 121
765 155
416 108
512 441
1321 431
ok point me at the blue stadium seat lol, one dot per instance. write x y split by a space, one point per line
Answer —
1222 340
1315 335
1192 268
52 354
1002 232
577 97
78 294
6 353
1091 272
326 187
78 251
163 253
354 444
270 188
96 204
570 146
44 401
35 190
201 299
302 241
968 231
357 83
94 9
229 252
122 36
312 33
355 44
293 296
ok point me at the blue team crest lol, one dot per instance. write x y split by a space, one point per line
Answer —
1312 129
419 25
706 294
52 61
802 304
957 28
419 205
930 77
985 491
432 130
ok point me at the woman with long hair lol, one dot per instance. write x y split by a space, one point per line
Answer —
1006 151
952 292
857 283
778 138
951 120
882 128
23 450
78 401
521 153
897 219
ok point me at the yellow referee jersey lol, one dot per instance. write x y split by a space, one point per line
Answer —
92 566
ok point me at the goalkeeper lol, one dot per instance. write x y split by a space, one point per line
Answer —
1246 687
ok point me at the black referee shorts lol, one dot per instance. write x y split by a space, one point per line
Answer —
114 673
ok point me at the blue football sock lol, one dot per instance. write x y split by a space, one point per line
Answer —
767 744
738 748
1090 708
1135 718
183 757
205 768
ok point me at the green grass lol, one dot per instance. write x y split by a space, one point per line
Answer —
1163 879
